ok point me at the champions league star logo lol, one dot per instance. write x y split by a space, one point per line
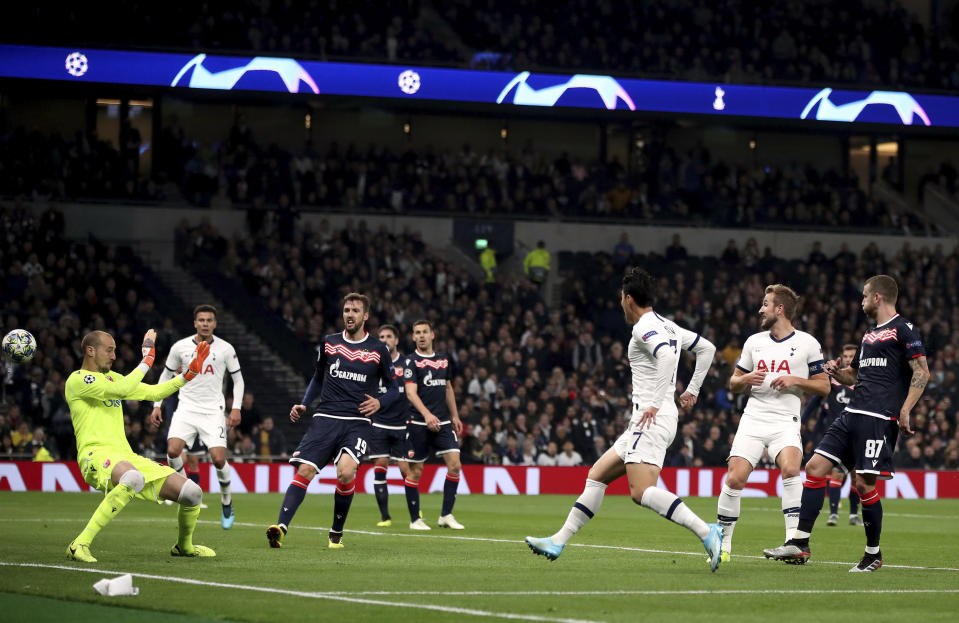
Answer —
606 87
906 106
289 71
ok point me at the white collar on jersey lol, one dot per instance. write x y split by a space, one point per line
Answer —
887 322
422 355
365 335
397 358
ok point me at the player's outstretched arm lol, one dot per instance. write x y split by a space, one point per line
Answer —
196 366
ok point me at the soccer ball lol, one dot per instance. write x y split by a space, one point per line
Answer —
19 345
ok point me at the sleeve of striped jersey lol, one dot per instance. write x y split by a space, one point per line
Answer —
388 379
814 357
911 341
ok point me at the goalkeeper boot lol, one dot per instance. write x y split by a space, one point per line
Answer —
228 517
198 551
336 540
386 523
80 552
544 547
713 544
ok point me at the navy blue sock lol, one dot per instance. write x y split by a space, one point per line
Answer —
194 477
380 491
813 495
342 500
413 498
853 501
872 517
449 493
292 500
835 489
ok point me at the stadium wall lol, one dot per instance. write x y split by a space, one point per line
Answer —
476 479
153 228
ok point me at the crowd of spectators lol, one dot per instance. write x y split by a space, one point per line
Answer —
59 290
860 41
546 385
663 185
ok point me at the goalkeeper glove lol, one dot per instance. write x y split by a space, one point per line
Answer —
149 351
199 356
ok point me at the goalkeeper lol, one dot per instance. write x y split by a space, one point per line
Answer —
95 396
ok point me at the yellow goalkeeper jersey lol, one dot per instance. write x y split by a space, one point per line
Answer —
96 405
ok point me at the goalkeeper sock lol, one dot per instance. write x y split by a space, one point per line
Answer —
727 514
292 500
223 474
674 509
586 505
413 498
342 500
186 520
176 464
108 508
449 493
380 491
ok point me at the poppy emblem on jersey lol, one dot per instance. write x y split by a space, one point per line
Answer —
886 335
649 335
106 464
89 379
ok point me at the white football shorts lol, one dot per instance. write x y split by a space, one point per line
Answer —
648 445
210 427
753 436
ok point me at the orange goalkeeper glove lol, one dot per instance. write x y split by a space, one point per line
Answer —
199 356
149 348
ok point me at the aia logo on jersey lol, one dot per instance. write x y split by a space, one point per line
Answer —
886 335
783 366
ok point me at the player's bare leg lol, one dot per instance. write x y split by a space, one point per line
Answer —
728 505
343 497
605 470
188 495
789 459
295 493
796 549
446 519
223 475
128 482
412 485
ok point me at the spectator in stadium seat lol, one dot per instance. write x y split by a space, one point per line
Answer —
549 457
676 252
270 441
569 457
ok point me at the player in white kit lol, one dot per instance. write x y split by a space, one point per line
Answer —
200 412
776 366
654 352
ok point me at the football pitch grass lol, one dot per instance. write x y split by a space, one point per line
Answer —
628 564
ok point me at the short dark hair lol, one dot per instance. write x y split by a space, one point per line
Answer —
204 308
885 286
391 328
356 296
422 321
641 286
850 346
785 296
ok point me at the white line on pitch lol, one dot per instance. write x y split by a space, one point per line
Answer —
758 591
512 541
311 595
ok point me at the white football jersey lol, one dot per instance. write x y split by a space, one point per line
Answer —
204 394
798 354
655 337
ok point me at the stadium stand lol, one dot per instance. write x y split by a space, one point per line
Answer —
545 375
